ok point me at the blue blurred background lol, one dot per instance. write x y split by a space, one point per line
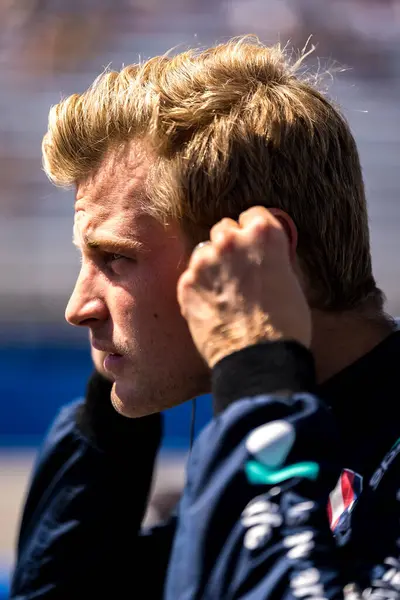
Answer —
42 376
51 48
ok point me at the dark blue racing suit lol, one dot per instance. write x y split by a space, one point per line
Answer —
291 492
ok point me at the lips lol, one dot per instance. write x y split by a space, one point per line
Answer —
113 363
105 348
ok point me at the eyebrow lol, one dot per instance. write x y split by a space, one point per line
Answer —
111 242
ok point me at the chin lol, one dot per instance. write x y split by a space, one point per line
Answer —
123 403
131 400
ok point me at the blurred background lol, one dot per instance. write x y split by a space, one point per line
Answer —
52 48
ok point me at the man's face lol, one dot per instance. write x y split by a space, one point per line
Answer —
126 290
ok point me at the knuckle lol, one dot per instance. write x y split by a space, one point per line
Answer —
253 212
222 224
201 260
185 282
223 231
260 225
225 239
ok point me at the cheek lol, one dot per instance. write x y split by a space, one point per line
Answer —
151 296
162 295
162 305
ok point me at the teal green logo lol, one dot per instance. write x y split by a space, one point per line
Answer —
259 474
270 445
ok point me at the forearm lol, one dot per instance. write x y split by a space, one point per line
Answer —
253 519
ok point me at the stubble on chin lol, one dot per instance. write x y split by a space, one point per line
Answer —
118 404
127 407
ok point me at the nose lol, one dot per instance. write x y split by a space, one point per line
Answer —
85 308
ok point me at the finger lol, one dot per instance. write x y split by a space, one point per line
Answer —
201 245
224 232
185 283
258 215
258 225
202 256
264 236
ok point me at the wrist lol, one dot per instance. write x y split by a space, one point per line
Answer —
241 334
264 368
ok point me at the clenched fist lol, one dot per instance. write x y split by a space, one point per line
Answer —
240 288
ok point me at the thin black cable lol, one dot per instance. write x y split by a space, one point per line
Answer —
192 423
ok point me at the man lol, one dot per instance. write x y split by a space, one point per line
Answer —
158 154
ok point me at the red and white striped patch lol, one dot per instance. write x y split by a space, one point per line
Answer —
342 498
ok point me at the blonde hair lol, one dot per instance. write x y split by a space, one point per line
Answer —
232 126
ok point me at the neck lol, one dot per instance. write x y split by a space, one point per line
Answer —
341 339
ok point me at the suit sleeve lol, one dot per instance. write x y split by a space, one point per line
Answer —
80 528
253 520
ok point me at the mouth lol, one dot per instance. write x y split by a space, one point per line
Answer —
106 348
112 362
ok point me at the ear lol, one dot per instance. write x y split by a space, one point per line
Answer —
290 229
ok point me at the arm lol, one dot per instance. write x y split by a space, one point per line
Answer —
79 535
253 520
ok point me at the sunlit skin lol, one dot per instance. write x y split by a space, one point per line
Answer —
98 358
126 289
241 289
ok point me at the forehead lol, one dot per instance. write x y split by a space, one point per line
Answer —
115 194
111 205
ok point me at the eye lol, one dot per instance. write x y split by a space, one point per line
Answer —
115 261
110 257
114 256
